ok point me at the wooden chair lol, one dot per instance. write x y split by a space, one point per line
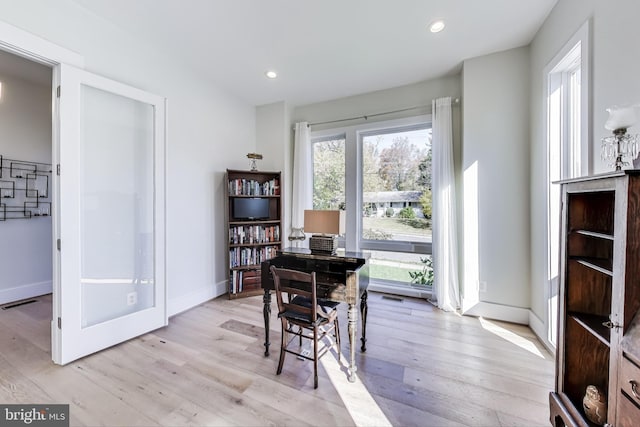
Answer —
295 291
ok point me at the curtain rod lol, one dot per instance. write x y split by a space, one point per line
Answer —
366 117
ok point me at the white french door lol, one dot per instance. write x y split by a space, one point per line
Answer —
109 271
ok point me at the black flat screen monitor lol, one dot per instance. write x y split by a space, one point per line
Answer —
251 208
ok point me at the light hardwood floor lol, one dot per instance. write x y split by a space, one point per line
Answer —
422 367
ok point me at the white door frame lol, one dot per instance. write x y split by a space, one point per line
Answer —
39 50
36 49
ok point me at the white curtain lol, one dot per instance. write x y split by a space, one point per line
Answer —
302 179
445 234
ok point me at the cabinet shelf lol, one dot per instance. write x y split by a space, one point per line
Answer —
594 325
595 234
251 245
254 222
254 196
603 265
246 267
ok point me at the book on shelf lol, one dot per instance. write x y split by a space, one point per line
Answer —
251 187
243 279
242 257
253 234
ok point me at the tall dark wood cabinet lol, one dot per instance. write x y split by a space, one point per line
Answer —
599 324
254 224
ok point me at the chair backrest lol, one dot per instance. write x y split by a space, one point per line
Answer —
295 283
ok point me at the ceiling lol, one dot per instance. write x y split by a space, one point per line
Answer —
324 49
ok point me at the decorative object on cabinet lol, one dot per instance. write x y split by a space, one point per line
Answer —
254 160
327 225
254 224
296 236
594 404
598 298
622 147
24 189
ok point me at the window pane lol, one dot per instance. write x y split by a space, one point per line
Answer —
574 114
401 267
328 173
396 185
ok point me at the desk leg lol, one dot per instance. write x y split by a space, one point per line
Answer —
352 317
266 311
363 314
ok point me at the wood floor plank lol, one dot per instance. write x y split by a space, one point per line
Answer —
422 367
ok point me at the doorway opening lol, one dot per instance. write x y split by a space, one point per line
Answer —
26 258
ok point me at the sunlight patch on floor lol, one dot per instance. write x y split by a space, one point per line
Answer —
516 339
356 398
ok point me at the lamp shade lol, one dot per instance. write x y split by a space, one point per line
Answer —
622 117
324 222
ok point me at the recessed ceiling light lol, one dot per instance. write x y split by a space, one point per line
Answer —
271 74
436 26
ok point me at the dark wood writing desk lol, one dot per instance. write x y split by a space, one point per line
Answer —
341 278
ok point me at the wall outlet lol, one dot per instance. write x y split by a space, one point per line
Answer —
482 286
132 298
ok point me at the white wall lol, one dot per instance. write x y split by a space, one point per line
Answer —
25 134
616 67
273 136
495 173
397 98
209 130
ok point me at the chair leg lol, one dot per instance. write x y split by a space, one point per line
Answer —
282 347
315 357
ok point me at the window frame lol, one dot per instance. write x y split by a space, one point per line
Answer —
390 245
353 180
558 119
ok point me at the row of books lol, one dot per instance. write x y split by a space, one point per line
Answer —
241 279
254 234
239 257
251 187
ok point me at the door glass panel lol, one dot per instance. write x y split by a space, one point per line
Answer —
116 204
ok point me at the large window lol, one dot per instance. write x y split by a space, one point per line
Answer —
381 175
567 146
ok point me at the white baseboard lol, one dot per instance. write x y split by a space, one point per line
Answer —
407 291
505 313
185 302
25 291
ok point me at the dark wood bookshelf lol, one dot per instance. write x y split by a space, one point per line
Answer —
251 240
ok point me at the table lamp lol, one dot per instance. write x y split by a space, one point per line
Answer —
325 226
622 147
